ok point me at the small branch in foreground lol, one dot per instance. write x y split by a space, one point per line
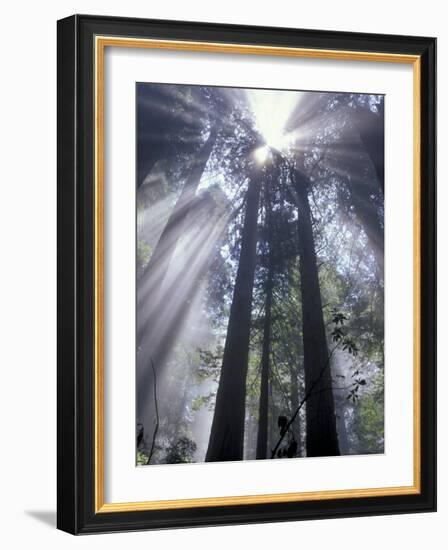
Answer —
305 398
156 428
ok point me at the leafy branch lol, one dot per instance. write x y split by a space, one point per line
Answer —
305 398
340 339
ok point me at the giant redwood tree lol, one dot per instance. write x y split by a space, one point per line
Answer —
321 434
227 430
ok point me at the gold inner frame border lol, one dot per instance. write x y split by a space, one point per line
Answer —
100 44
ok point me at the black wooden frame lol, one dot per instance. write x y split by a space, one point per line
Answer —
75 476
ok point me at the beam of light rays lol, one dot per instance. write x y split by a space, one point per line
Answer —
152 281
152 220
161 98
191 256
261 154
191 334
153 137
272 110
191 262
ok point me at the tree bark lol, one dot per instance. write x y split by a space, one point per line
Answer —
262 435
364 193
153 342
295 405
366 212
158 264
321 434
371 132
274 414
169 321
227 432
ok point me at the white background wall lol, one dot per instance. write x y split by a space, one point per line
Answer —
28 272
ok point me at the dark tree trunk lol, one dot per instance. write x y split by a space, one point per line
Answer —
262 435
295 406
366 193
169 321
273 417
155 338
366 211
321 434
164 129
227 433
371 131
153 342
158 264
144 168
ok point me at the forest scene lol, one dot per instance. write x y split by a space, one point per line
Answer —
259 274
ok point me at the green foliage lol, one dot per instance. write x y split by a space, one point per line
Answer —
369 419
339 335
143 255
209 363
202 400
338 318
142 458
181 451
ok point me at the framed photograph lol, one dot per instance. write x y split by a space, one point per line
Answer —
246 274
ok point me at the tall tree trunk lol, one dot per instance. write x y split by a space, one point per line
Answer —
144 169
227 433
321 434
171 315
158 264
367 192
273 417
366 212
370 127
295 405
151 298
262 435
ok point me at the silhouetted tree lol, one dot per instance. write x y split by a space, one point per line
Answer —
227 431
321 434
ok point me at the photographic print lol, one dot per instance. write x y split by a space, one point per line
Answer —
259 274
223 227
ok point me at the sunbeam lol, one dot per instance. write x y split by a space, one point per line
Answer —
272 110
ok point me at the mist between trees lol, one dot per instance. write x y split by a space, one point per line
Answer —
260 287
